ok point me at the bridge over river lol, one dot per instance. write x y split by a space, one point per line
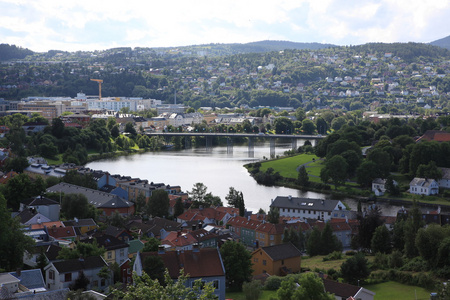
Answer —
251 137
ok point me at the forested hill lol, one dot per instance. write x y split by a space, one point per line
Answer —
444 42
13 52
407 51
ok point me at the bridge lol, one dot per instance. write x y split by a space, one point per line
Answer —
229 136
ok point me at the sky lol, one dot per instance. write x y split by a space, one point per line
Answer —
87 25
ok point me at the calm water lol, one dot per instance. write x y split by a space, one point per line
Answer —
216 169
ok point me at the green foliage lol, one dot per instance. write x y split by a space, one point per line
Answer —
85 180
303 178
151 245
77 206
13 242
236 199
81 250
237 262
21 187
158 204
252 290
381 240
273 283
273 216
355 269
145 288
307 286
154 266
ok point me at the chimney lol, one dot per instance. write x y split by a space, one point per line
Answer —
161 249
178 233
290 197
322 201
194 227
18 272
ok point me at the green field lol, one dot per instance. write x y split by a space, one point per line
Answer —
396 291
287 166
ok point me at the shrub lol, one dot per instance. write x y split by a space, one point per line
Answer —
333 256
252 289
380 261
417 264
273 283
350 252
395 259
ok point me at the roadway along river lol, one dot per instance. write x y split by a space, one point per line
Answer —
216 169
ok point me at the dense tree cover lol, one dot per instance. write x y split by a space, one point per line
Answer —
322 242
200 197
13 52
145 288
13 241
20 188
237 262
355 269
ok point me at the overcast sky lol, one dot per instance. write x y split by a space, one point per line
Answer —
42 25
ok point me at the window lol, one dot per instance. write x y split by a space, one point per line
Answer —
271 237
109 254
264 262
216 284
122 252
95 284
68 277
103 282
51 275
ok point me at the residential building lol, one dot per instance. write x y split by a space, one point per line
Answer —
278 260
307 208
423 186
347 291
116 250
205 264
62 274
45 206
107 203
245 228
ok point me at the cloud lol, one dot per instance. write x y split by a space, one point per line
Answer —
85 24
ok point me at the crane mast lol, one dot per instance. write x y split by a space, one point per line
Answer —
100 81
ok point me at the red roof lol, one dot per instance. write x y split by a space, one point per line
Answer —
204 262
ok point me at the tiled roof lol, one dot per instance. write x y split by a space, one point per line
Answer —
177 239
48 225
97 198
109 242
72 265
204 263
343 290
61 232
80 222
435 135
425 182
39 201
304 203
282 251
31 279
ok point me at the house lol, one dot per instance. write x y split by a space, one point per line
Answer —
45 206
307 208
434 135
268 234
62 274
245 228
7 176
379 186
444 182
119 233
205 264
116 250
83 225
345 291
31 281
423 186
135 246
276 260
107 203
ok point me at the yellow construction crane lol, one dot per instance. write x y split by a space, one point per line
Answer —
100 81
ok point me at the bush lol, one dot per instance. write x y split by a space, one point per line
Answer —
333 256
273 283
380 261
395 260
417 264
350 252
252 289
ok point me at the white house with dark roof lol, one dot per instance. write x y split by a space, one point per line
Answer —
62 274
307 208
423 186
45 206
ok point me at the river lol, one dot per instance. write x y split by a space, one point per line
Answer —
216 169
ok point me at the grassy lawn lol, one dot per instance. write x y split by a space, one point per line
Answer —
56 160
396 291
288 166
265 295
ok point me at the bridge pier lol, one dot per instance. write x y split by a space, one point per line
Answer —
208 140
272 147
251 147
187 142
229 145
294 144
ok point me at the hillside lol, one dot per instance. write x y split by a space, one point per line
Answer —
13 52
444 42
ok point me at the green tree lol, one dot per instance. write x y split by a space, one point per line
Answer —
381 240
313 245
355 269
307 286
273 216
308 126
17 164
154 266
236 199
366 173
303 178
13 241
328 241
77 206
283 125
198 192
151 245
18 189
158 204
178 208
81 250
140 203
336 167
368 223
145 288
237 262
